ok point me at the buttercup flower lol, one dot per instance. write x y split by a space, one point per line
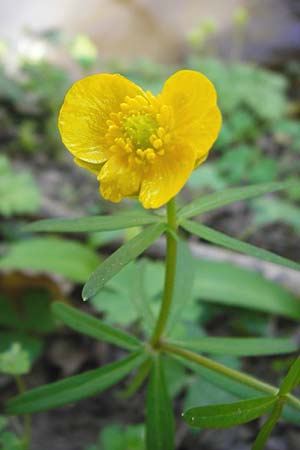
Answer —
138 144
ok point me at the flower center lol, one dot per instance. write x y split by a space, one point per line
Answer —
139 128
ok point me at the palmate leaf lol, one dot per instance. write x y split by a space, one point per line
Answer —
228 196
216 237
229 414
114 263
95 328
160 424
74 388
237 346
96 223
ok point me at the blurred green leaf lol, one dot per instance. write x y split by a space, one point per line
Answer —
267 211
216 237
237 346
118 437
267 427
90 224
19 193
160 425
70 259
292 379
15 360
218 199
242 288
74 388
32 345
89 325
115 262
229 414
236 388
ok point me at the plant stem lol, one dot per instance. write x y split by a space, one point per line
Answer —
241 377
27 417
170 270
138 380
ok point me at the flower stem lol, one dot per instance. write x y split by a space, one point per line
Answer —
170 270
241 377
27 417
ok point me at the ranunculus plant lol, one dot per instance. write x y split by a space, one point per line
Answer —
144 146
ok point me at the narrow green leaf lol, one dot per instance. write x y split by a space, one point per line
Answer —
184 281
229 414
89 325
267 427
243 288
95 223
160 425
228 196
292 378
236 388
238 346
114 263
74 388
211 235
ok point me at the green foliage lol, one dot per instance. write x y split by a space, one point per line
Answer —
74 388
266 212
15 361
242 85
114 263
19 193
8 440
70 259
223 240
237 346
228 196
92 224
90 326
160 424
118 437
229 414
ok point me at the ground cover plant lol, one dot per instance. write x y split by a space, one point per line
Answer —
147 147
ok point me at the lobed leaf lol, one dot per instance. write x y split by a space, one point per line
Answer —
160 425
89 325
211 235
228 196
95 223
237 346
229 414
114 263
74 388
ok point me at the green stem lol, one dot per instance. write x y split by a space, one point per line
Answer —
241 377
169 274
27 417
138 380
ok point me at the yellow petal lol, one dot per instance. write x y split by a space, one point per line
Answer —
197 118
166 176
94 168
118 179
86 108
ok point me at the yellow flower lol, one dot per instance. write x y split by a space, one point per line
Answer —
136 143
